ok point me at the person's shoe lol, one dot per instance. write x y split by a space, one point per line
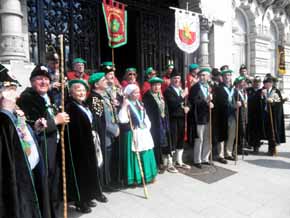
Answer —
207 163
83 208
110 188
172 169
230 158
102 198
183 166
161 169
91 204
222 160
198 165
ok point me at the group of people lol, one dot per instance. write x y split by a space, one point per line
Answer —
120 133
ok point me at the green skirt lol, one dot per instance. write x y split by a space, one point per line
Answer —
132 169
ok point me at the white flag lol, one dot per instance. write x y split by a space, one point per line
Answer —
187 32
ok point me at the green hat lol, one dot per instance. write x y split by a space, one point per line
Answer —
108 66
170 66
155 79
149 70
226 71
130 69
193 66
239 79
75 81
207 70
95 77
79 60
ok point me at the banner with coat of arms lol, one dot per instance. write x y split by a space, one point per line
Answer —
281 60
116 22
187 31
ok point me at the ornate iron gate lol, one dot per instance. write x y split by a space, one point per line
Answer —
80 21
76 19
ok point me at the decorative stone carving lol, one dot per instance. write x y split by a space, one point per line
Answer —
11 44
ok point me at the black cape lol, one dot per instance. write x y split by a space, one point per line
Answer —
83 180
160 130
22 194
265 128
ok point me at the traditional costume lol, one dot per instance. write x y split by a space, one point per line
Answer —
198 96
23 178
157 111
136 137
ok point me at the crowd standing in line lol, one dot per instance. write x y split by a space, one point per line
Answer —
108 122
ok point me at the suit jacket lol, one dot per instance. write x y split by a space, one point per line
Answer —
201 108
174 102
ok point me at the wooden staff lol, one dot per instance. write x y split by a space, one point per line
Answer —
62 128
272 128
210 131
138 156
237 131
113 57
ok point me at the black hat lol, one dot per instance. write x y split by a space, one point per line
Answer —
40 70
215 72
7 79
224 67
243 66
270 78
51 54
174 73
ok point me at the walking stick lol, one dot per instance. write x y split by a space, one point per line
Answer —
62 129
237 132
138 157
210 133
272 128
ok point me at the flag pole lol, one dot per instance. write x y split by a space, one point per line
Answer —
62 129
272 128
237 131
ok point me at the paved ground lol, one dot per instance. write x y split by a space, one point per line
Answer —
259 189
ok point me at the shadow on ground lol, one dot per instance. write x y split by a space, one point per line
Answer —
270 163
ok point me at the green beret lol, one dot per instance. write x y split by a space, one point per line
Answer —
170 66
95 77
130 69
155 79
79 60
75 81
107 64
226 71
149 70
207 70
239 79
193 66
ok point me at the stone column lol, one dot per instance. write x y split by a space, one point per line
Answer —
203 50
11 36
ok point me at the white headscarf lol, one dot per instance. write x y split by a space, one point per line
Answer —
130 88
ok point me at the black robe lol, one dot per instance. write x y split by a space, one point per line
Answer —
224 109
253 121
83 180
160 130
265 130
34 107
23 194
96 104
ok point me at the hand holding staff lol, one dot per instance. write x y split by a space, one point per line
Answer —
62 130
137 154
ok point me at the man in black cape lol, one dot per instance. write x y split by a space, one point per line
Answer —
23 180
271 115
108 129
36 104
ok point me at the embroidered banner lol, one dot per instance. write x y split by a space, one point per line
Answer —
281 60
187 31
116 22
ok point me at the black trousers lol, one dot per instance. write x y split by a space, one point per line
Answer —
177 132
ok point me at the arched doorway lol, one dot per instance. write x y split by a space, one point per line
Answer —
240 40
